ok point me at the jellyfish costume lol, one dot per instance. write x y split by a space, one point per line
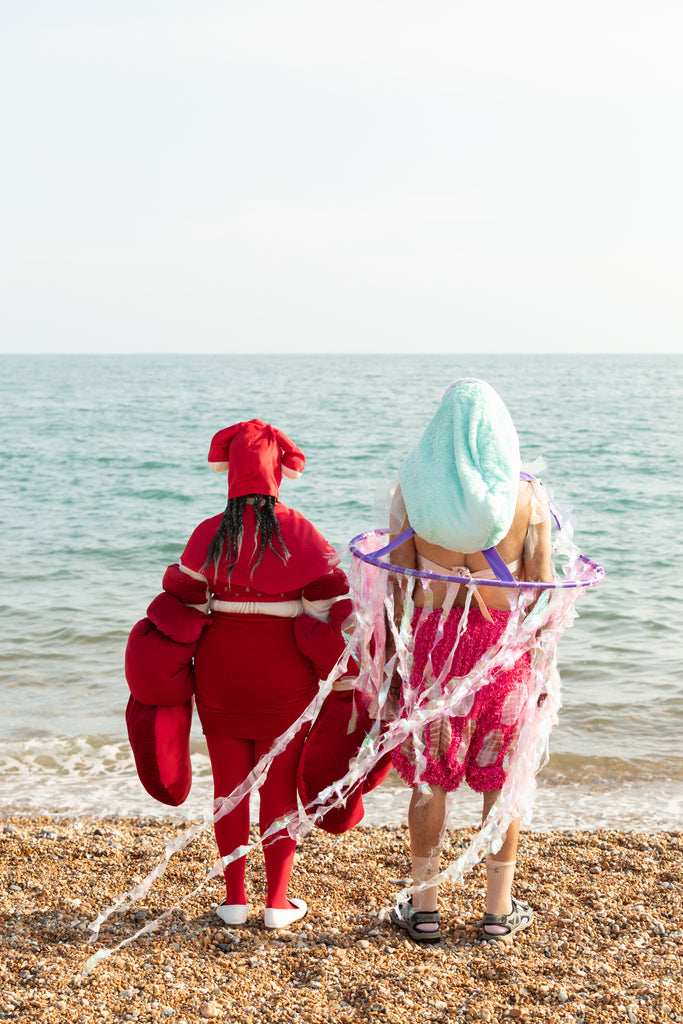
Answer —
460 487
480 690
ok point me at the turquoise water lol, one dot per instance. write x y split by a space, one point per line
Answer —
104 476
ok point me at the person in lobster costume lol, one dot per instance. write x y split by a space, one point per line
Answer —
249 622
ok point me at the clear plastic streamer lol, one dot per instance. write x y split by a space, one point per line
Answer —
537 630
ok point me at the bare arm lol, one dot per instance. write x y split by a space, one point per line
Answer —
538 563
404 555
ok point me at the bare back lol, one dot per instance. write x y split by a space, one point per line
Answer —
527 543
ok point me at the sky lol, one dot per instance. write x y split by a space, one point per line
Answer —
341 176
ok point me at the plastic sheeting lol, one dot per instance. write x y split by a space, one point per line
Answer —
537 630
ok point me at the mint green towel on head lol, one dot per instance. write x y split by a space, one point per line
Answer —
460 482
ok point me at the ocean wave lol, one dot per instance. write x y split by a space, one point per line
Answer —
95 776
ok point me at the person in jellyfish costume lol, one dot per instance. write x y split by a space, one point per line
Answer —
458 622
460 491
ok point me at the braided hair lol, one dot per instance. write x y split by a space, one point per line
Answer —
228 537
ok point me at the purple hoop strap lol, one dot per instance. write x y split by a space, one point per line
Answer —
498 565
396 542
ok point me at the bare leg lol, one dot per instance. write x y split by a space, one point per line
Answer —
508 850
500 870
426 820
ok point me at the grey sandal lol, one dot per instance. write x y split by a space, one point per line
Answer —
405 917
520 917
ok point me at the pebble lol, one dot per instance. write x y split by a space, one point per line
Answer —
211 1010
604 941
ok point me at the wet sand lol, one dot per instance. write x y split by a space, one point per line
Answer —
607 943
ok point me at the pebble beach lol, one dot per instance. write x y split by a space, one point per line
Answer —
606 945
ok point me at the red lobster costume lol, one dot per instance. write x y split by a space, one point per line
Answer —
249 642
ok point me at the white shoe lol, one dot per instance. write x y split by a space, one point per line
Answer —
274 918
232 913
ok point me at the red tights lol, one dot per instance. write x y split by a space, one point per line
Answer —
231 761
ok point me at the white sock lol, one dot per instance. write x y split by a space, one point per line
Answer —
499 876
424 868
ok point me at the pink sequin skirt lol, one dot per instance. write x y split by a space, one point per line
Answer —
476 744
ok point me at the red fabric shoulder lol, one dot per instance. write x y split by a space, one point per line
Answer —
194 555
310 555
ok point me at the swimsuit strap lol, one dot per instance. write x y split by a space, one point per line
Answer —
497 564
464 573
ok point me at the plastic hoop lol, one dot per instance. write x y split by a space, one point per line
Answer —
597 573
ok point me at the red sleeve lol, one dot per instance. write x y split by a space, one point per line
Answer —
335 584
186 588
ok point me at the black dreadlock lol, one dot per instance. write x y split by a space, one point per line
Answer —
227 539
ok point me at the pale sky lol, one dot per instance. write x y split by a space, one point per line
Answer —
341 175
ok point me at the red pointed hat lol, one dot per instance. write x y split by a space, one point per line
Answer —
255 456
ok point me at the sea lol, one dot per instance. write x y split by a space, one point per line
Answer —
103 475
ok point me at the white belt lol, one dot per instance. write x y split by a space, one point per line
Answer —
281 609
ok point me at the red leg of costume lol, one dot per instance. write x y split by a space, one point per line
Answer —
231 761
278 798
